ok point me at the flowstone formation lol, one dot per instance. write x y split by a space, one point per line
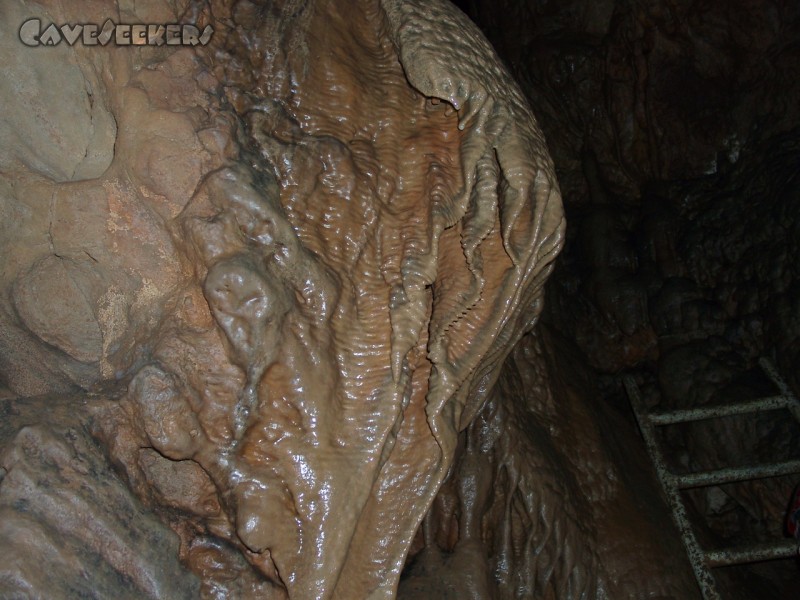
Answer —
354 322
291 264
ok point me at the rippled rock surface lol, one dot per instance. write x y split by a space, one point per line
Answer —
303 264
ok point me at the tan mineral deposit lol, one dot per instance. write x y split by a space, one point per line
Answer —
271 324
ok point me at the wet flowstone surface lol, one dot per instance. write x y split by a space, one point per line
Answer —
309 258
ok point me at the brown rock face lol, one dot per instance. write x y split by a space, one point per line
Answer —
299 256
69 528
322 253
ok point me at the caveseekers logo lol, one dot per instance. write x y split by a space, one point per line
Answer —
32 34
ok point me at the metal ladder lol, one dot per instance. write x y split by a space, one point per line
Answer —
704 560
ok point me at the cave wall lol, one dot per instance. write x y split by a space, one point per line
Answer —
674 129
547 498
301 266
290 265
673 126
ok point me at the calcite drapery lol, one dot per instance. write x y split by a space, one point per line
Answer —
317 240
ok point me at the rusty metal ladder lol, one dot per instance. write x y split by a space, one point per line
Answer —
705 560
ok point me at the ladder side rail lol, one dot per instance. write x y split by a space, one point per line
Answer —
705 578
793 403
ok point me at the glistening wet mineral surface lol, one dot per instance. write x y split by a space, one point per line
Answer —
302 271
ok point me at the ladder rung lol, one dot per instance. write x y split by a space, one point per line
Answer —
793 405
772 373
707 478
751 554
723 410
